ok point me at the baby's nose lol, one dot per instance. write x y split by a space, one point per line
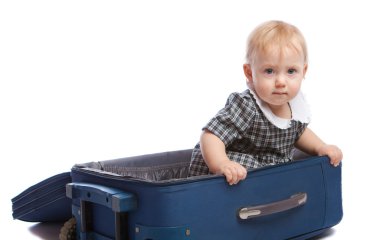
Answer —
280 81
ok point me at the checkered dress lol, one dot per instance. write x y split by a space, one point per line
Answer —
249 137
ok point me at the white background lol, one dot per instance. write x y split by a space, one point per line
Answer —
95 80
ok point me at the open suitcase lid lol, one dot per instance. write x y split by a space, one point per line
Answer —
45 201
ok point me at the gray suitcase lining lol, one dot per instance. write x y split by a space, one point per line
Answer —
150 167
156 167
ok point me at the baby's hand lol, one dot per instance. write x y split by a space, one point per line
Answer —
233 171
333 152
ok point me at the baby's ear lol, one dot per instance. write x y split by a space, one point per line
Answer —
305 70
248 72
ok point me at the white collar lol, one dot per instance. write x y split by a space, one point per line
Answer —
300 111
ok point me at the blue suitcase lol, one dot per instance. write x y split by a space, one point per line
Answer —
149 198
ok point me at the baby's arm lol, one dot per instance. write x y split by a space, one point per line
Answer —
310 143
214 154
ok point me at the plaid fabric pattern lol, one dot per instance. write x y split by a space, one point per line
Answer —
250 139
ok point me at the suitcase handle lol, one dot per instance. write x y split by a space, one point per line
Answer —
116 199
119 201
294 201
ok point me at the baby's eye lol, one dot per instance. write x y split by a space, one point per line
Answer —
292 71
269 71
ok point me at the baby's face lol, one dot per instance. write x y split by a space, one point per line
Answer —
277 76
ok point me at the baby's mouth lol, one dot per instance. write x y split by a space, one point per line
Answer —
280 93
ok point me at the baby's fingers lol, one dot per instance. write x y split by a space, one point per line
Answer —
235 174
229 176
335 157
241 173
335 161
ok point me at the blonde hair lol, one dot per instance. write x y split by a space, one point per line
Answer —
275 35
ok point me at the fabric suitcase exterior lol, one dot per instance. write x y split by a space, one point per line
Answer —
45 201
207 207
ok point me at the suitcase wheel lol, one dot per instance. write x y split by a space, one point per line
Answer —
68 231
